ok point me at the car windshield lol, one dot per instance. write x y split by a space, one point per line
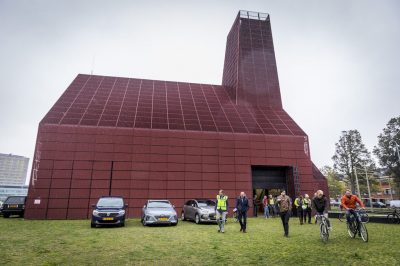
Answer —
15 200
206 203
159 204
110 202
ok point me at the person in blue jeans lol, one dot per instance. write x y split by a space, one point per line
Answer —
266 209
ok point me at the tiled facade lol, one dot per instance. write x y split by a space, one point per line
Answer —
145 139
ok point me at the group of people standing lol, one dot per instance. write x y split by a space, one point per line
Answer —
270 209
281 204
303 208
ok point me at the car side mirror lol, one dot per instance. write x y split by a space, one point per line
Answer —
126 205
173 206
93 205
144 206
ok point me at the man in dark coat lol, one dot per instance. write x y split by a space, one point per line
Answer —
242 206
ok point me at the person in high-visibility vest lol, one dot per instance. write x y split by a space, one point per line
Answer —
298 202
221 210
271 206
307 208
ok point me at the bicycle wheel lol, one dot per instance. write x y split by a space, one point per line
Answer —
366 218
364 232
352 229
324 232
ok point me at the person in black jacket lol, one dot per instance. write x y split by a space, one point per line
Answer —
320 204
242 206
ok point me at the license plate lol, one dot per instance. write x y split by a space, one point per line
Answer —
163 219
108 219
12 206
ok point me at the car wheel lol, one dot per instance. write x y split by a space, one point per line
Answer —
92 225
175 224
197 218
122 224
183 216
144 222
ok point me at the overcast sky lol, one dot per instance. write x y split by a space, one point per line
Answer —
338 61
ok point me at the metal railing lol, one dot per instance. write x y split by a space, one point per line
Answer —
253 15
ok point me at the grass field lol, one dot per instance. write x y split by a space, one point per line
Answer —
25 242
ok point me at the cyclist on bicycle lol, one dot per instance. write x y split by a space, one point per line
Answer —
320 204
349 204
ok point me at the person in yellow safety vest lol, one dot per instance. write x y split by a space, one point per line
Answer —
307 208
271 205
221 210
298 202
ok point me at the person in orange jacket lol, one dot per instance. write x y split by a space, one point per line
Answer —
349 204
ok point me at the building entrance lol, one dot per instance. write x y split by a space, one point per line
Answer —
268 180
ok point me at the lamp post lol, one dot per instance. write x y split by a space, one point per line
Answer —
368 187
390 189
358 186
369 190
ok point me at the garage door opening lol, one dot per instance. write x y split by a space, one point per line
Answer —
271 180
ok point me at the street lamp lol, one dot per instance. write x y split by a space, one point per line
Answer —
369 190
358 186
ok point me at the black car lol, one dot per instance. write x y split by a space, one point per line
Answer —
109 210
14 205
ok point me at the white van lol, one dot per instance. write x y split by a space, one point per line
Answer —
395 203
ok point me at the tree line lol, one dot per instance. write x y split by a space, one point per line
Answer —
353 161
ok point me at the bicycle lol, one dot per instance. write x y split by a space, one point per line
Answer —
342 216
394 217
323 225
358 219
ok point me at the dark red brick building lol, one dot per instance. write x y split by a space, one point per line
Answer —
146 139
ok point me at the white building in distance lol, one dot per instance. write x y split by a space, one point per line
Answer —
13 170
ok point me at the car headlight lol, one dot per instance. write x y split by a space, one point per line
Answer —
95 213
121 212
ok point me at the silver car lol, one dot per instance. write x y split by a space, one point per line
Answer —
159 212
199 210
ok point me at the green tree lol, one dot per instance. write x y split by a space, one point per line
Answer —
336 186
386 150
350 156
373 183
